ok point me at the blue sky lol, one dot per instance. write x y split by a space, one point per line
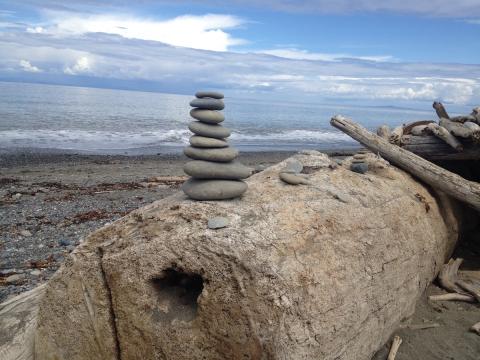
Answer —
369 51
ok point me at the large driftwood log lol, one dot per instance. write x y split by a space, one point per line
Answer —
457 129
432 148
396 135
444 134
319 271
439 178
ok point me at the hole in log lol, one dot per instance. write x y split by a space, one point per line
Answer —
177 294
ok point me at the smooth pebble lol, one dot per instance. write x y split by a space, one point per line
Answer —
213 189
214 131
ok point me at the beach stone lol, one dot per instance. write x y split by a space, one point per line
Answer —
218 222
35 272
207 142
15 279
293 166
214 131
221 155
25 233
207 116
360 168
209 94
213 189
200 169
293 179
208 104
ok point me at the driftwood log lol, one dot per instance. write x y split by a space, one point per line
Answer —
432 148
458 129
319 271
439 178
384 132
440 110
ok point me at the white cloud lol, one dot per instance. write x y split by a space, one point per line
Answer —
473 21
297 54
81 66
26 66
35 30
198 32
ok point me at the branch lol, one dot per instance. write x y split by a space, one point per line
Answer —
440 110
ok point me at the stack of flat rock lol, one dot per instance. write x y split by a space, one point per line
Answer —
215 173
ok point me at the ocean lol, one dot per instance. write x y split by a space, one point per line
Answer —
105 121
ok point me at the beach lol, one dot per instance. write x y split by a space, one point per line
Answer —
49 202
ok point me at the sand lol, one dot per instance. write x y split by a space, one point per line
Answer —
49 202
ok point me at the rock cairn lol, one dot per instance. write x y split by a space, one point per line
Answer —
215 173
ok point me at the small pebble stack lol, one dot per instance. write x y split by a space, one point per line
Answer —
215 173
359 164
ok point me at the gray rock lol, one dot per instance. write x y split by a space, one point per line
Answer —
207 142
207 116
213 189
35 272
293 179
64 242
209 94
15 279
207 104
213 131
218 222
200 169
293 166
25 233
220 155
360 168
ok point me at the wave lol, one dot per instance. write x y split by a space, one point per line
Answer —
107 140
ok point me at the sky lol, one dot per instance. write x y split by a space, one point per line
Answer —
385 52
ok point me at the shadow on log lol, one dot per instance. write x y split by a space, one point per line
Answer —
325 270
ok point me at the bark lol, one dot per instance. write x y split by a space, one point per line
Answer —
439 178
319 271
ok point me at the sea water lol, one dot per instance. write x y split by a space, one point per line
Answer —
105 121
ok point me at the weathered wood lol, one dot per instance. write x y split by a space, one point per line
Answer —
397 341
384 132
476 328
18 320
407 129
452 297
444 134
282 281
471 125
439 178
476 114
419 130
440 110
396 135
432 148
456 129
463 118
448 275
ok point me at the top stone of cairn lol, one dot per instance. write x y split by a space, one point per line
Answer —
208 94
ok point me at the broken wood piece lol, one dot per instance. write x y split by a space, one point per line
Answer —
407 129
440 110
452 297
431 147
419 130
421 326
434 175
476 114
396 135
476 328
397 341
444 134
472 126
457 129
448 275
384 132
472 290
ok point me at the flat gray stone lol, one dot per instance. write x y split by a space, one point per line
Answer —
360 168
207 104
293 166
218 223
201 169
207 142
213 131
209 94
220 155
207 116
213 189
293 179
